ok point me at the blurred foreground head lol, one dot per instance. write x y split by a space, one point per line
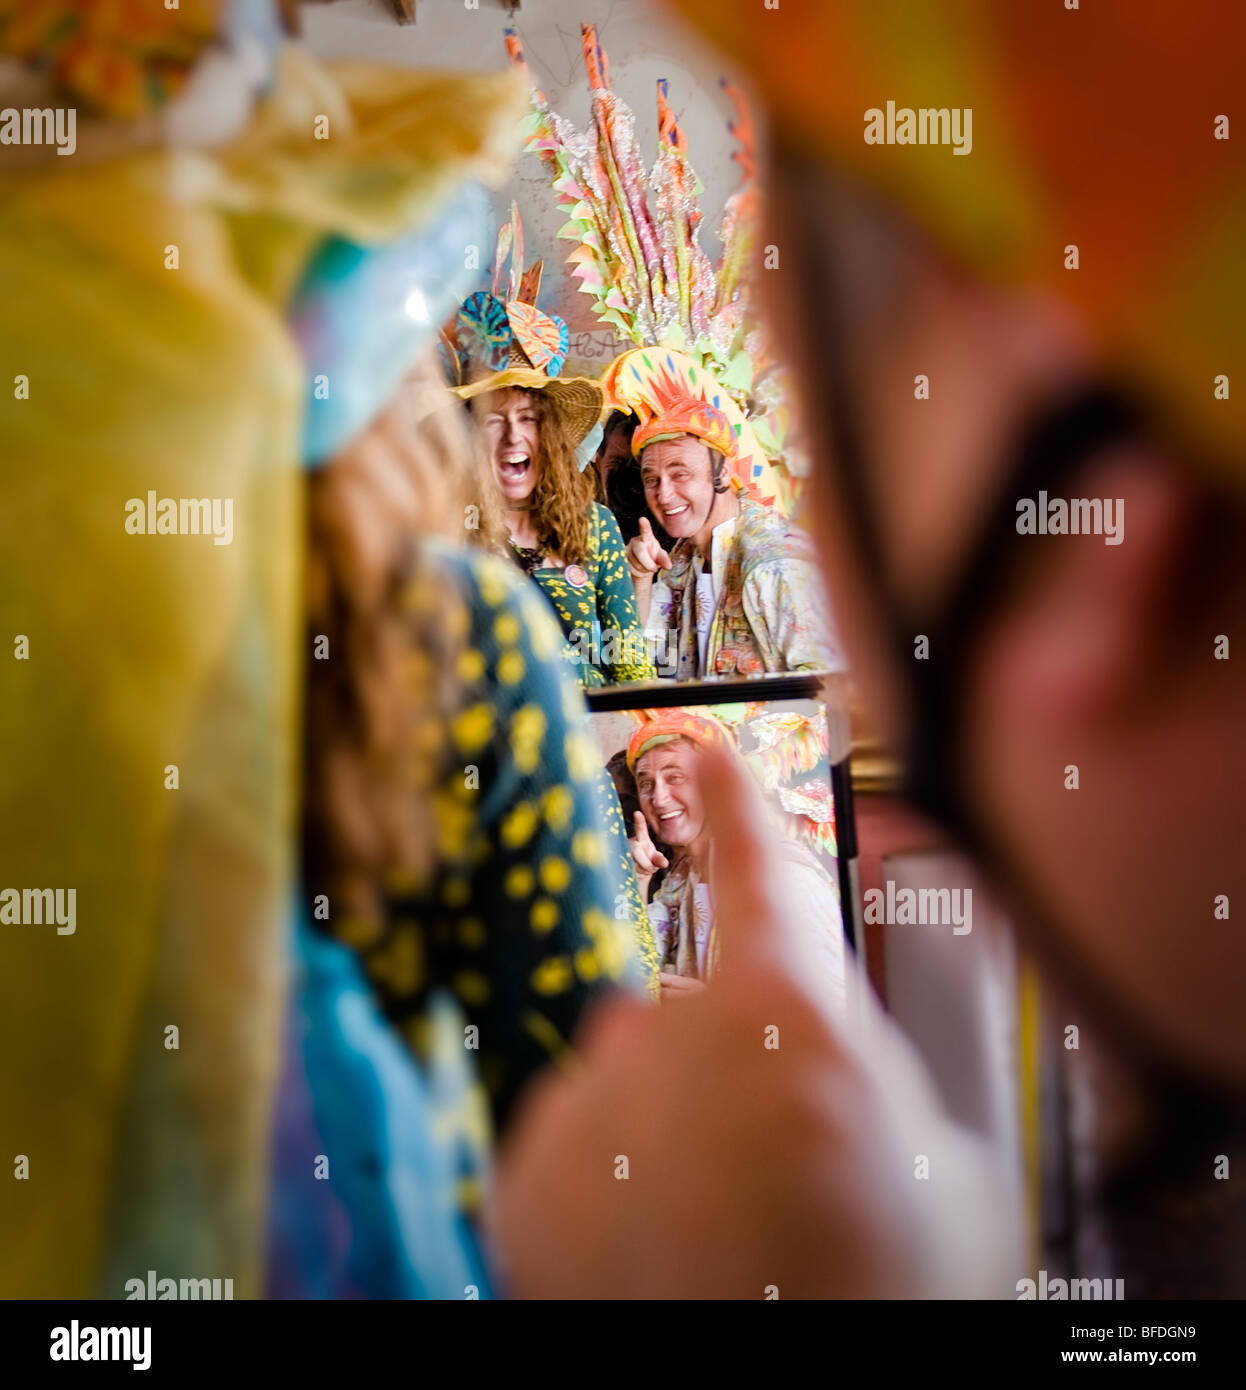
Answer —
1007 276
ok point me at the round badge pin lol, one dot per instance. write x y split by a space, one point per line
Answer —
575 576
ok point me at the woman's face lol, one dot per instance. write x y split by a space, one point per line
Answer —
666 782
512 432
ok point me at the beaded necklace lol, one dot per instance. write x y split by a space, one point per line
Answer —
528 560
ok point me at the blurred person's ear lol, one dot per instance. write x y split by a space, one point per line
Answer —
1089 624
1100 753
1103 748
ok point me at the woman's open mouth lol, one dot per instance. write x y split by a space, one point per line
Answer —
513 468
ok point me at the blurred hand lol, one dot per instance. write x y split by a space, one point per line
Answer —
741 1142
676 987
645 555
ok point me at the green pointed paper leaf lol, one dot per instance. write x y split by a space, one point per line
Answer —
765 436
739 373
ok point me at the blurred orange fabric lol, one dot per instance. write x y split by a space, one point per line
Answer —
1093 127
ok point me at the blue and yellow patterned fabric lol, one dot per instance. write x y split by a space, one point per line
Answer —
531 909
380 1149
363 1201
596 605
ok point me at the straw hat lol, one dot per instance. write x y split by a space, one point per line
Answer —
578 399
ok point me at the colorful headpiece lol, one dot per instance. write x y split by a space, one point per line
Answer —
502 327
495 330
1155 200
665 725
499 342
688 417
637 250
361 314
503 333
672 395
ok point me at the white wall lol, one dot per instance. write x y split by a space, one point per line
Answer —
643 43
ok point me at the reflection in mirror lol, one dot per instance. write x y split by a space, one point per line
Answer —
653 754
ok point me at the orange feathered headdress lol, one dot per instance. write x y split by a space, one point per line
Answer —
1104 126
663 725
672 395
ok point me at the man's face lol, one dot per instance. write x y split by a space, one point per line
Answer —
615 449
666 781
678 480
512 432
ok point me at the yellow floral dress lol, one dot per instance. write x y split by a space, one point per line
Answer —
596 605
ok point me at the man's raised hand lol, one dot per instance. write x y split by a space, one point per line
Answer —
645 854
645 554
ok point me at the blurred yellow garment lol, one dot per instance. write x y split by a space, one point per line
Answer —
149 738
1104 127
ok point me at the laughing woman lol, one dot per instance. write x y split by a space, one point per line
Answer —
532 421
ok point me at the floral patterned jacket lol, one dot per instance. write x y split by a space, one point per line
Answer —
770 611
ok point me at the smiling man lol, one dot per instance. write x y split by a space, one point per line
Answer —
738 594
670 800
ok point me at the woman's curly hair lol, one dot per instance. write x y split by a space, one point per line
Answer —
384 670
563 493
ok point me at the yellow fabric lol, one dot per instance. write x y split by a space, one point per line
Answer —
1092 127
147 651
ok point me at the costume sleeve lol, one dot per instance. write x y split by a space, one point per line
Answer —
616 606
527 916
785 604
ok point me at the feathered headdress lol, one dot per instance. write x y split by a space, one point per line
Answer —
658 726
785 749
672 395
636 232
